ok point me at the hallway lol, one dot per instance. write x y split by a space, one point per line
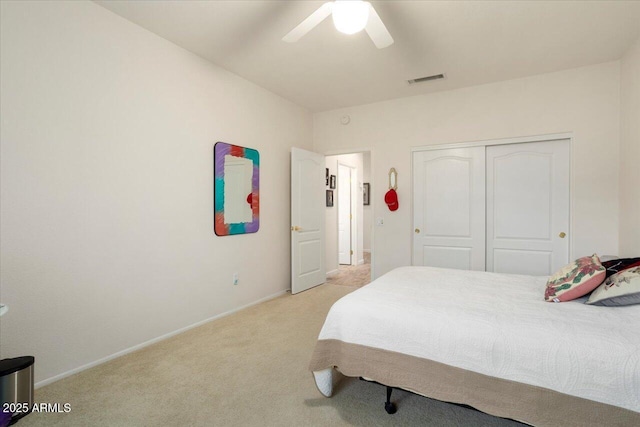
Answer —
353 275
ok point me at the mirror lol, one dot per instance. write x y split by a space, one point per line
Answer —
393 179
236 185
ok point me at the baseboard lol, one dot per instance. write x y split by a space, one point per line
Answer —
152 341
332 272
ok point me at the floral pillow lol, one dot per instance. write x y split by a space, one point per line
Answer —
575 279
623 288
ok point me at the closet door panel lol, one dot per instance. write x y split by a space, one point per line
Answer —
528 207
521 195
449 208
458 258
448 196
516 261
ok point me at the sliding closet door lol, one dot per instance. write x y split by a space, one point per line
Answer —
528 207
449 208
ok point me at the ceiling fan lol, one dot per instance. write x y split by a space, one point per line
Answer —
349 17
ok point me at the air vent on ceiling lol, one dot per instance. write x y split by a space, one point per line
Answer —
426 79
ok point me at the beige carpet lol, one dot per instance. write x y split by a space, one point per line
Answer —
352 275
247 369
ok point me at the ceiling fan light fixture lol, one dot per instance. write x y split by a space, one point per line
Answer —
350 16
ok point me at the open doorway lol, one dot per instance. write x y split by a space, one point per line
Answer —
349 221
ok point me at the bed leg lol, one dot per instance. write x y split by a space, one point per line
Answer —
388 406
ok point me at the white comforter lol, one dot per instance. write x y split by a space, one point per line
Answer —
497 325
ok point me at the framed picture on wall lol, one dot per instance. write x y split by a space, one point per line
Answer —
332 181
329 198
365 193
326 176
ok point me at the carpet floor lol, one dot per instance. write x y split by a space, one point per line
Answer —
246 369
352 275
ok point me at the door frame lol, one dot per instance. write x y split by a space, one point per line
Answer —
516 140
371 152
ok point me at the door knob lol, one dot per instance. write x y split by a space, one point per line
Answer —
562 234
295 228
417 230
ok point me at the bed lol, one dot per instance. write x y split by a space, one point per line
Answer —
489 341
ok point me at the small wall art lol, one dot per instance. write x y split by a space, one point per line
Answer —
332 181
365 193
329 198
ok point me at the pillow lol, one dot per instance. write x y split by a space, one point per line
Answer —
575 280
616 265
622 288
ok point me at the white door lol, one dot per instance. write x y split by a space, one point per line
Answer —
449 208
528 207
307 220
345 251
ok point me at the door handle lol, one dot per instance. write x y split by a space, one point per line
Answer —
562 234
295 228
417 230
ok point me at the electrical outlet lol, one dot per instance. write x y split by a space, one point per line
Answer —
235 278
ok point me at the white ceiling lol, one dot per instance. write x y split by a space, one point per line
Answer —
473 42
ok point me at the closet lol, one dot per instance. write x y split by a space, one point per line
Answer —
501 208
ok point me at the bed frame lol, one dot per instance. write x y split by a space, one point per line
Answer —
366 336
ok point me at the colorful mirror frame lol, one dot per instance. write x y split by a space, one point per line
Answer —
220 150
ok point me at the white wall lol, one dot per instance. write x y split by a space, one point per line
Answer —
106 158
585 101
630 153
331 215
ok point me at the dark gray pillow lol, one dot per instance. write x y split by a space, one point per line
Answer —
616 265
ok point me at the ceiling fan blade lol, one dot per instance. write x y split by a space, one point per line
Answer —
377 31
308 24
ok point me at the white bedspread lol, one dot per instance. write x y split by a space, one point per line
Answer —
497 325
